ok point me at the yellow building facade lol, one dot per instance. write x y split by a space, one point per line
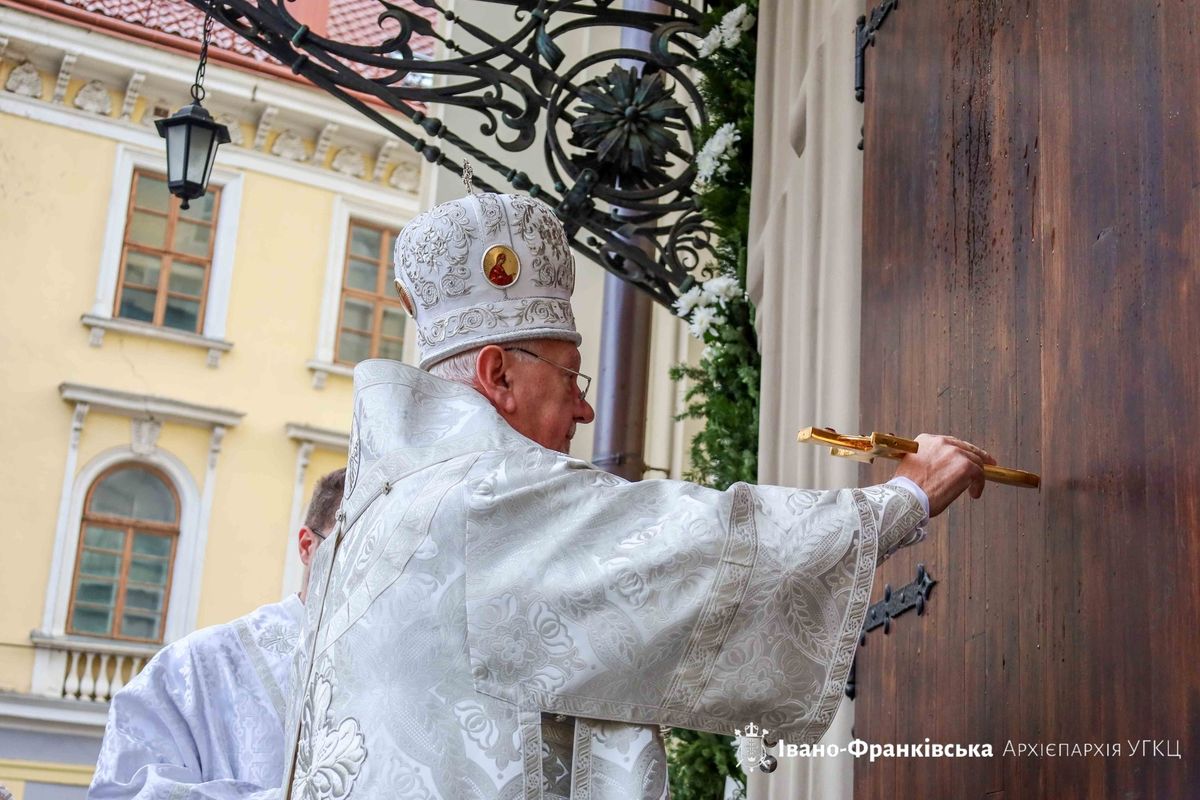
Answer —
207 391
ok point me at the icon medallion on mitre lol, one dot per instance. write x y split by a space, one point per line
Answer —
406 300
501 266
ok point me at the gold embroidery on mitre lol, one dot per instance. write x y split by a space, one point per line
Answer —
405 300
501 267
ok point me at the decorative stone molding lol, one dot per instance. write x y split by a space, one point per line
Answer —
132 89
94 98
323 141
25 80
148 406
99 325
383 157
235 128
321 370
336 441
92 670
64 77
350 161
77 418
52 715
406 176
143 434
264 127
214 445
158 109
159 81
289 145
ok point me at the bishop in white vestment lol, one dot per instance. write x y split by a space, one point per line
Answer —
500 620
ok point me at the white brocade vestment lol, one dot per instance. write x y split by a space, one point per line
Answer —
204 719
504 621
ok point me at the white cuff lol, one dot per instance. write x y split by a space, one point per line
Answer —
911 485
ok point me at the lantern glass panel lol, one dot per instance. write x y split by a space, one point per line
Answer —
176 148
199 156
212 159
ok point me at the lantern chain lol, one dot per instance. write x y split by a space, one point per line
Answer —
198 85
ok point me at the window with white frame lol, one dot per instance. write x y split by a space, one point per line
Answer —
166 256
361 313
166 272
126 551
371 319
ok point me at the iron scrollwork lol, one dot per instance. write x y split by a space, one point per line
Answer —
619 148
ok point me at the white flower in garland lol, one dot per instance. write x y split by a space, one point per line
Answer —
710 43
688 300
704 318
734 24
712 160
723 288
727 32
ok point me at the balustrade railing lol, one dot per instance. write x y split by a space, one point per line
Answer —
74 668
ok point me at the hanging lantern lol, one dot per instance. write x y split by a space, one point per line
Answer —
192 137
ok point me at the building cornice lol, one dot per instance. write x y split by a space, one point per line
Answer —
51 714
236 158
323 437
130 404
84 24
357 158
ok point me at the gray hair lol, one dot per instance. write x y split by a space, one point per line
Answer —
459 368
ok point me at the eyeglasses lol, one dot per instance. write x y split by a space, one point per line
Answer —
582 382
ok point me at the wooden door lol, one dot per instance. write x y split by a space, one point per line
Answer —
1031 282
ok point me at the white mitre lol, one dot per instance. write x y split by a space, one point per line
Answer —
485 269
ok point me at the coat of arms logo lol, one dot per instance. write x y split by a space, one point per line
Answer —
752 748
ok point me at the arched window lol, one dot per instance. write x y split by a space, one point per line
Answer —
126 551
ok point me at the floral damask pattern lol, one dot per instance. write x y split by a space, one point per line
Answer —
491 213
329 756
528 643
553 264
279 638
435 245
653 570
499 317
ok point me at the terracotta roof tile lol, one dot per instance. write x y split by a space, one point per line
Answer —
351 21
356 21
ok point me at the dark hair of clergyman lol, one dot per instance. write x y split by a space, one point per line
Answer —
326 498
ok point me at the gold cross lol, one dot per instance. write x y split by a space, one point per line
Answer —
886 445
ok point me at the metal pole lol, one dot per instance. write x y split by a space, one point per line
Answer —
623 380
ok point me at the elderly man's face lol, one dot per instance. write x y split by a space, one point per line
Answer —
546 401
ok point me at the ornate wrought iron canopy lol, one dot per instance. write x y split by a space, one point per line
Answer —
618 127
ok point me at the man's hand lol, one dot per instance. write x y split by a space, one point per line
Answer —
943 468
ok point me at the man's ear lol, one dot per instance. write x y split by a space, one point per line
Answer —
308 544
492 377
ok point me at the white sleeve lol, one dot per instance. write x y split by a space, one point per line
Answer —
148 752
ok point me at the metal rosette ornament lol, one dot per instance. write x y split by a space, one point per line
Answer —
625 139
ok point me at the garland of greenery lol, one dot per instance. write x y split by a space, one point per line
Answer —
722 388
